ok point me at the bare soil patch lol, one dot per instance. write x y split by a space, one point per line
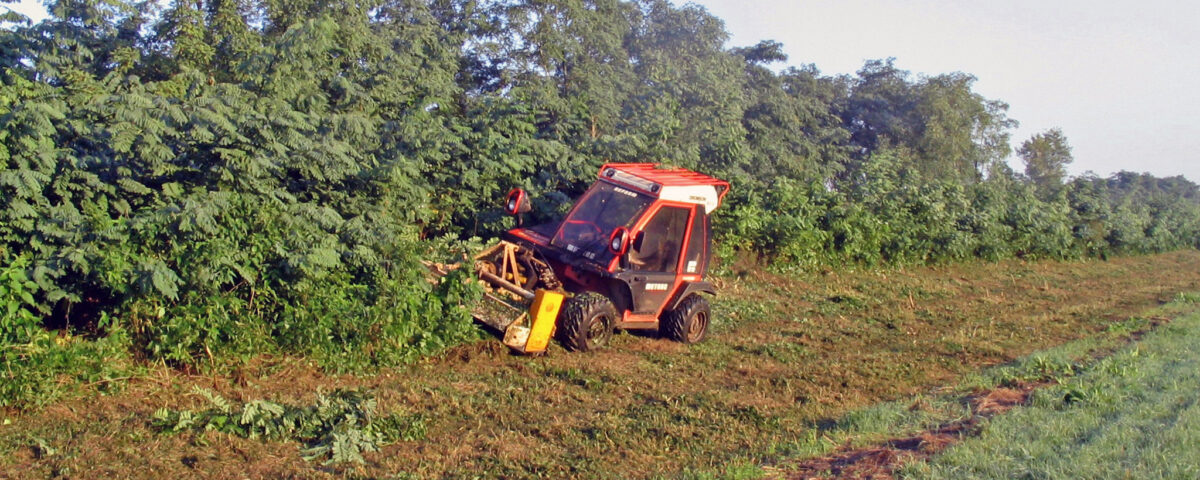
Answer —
878 462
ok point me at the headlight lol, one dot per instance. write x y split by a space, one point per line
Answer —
618 241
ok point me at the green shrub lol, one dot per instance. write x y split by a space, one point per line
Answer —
20 322
35 361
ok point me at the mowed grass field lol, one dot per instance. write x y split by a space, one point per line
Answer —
1118 404
788 356
1130 415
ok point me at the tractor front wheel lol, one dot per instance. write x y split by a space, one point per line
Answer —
586 322
688 322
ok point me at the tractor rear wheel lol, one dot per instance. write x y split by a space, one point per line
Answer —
586 322
687 323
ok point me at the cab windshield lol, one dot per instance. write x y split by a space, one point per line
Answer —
604 207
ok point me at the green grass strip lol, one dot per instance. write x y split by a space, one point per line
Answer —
1133 414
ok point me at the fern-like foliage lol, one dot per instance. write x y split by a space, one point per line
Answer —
339 427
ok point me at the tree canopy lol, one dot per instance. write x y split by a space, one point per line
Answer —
1046 156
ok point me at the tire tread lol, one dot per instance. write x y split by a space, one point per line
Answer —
676 322
573 321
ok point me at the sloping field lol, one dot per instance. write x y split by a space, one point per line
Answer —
786 355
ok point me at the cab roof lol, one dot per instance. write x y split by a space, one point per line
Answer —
665 176
662 182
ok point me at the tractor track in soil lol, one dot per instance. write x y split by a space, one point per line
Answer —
880 461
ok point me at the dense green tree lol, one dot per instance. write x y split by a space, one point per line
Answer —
961 131
881 109
1046 156
950 132
569 61
792 128
688 105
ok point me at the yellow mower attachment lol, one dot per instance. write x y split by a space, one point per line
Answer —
505 274
535 338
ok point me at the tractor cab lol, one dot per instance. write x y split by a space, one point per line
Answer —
631 254
604 208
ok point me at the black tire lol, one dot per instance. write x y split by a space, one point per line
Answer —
586 322
687 323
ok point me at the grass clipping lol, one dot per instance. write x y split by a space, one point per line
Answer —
338 427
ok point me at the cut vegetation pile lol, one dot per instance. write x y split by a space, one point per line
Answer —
788 357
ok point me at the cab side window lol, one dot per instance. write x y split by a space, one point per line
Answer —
658 250
698 244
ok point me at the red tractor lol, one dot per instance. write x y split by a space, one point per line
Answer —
631 254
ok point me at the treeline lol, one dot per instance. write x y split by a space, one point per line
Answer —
237 176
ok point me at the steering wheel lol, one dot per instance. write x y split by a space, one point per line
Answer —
596 228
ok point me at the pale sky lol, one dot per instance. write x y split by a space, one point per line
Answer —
1121 79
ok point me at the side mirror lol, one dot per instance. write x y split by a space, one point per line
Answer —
637 240
517 202
618 242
